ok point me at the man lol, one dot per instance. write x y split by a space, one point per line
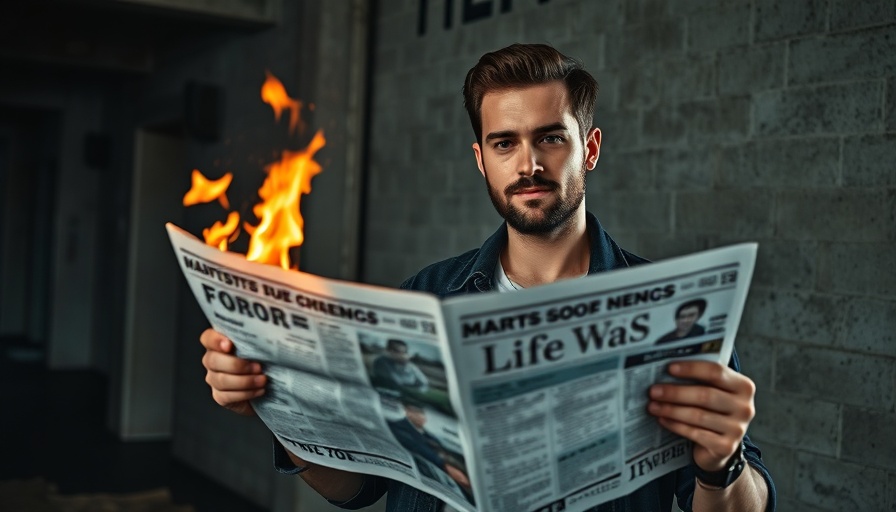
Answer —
411 433
531 110
394 370
686 325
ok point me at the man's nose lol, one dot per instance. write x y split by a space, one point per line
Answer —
530 162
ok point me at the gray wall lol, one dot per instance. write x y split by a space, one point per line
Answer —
724 121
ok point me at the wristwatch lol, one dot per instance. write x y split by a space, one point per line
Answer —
725 476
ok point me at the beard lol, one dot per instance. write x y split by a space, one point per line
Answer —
548 217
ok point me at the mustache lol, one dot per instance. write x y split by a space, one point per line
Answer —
536 180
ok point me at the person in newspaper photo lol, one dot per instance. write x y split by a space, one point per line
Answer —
396 371
531 111
686 316
410 431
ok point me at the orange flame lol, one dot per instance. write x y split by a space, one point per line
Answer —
274 94
281 222
204 190
220 234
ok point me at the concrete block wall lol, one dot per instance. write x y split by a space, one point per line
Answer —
724 121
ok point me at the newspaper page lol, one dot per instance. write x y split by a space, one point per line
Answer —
358 376
530 400
554 379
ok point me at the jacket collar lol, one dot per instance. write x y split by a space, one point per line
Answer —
477 273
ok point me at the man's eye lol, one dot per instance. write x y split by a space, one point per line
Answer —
502 144
553 139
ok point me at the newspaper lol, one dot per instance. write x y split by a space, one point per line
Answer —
532 400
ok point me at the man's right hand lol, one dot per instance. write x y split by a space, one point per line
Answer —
234 381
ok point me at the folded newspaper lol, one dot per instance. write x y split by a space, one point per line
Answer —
533 400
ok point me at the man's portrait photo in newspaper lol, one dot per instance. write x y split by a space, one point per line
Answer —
687 314
405 368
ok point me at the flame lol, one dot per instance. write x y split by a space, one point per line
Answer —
220 234
204 190
274 94
281 223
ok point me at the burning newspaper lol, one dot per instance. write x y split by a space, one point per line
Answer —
523 401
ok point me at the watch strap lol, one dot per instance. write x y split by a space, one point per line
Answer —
726 476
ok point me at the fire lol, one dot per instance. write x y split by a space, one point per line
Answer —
205 190
274 94
219 234
280 225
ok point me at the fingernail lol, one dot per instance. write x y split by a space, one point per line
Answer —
674 368
656 391
256 368
259 392
653 407
259 380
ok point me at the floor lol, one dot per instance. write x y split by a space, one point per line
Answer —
53 426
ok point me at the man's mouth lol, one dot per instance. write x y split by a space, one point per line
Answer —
532 192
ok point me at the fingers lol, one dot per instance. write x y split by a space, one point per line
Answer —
714 412
220 362
714 374
214 340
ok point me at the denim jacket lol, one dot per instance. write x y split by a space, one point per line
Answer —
472 272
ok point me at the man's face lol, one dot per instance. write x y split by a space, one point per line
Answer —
398 353
686 319
533 157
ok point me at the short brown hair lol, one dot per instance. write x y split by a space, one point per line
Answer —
521 65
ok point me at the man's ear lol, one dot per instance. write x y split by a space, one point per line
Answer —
592 148
477 150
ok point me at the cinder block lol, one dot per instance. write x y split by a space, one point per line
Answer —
638 11
620 128
866 54
651 214
556 22
836 109
757 359
859 215
778 19
834 485
780 461
663 126
868 437
864 269
749 69
696 77
794 316
869 325
657 38
720 27
890 108
891 495
847 14
792 505
734 213
786 264
693 168
809 425
657 246
640 87
870 160
789 163
835 375
623 170
725 119
602 15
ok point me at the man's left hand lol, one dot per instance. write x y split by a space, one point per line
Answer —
714 412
